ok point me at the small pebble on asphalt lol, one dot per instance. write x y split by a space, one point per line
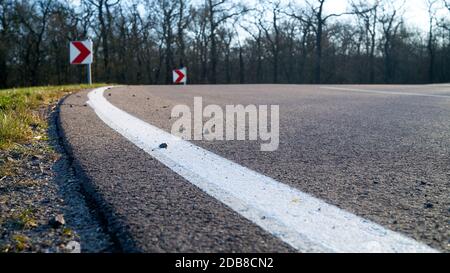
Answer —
57 221
163 146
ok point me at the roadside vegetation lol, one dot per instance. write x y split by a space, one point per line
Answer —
23 119
29 199
23 112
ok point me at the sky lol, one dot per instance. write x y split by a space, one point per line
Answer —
416 14
416 11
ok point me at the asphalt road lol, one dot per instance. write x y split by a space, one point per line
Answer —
380 152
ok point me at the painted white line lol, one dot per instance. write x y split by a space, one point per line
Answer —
304 222
439 85
384 92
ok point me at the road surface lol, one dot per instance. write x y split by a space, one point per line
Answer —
379 153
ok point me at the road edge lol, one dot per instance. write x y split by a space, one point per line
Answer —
120 237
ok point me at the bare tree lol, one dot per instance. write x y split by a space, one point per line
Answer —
316 11
444 23
257 36
218 12
140 41
6 36
272 33
168 11
200 43
430 45
35 24
447 4
369 16
103 10
241 60
183 22
390 22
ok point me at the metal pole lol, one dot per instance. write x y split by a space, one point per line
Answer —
89 75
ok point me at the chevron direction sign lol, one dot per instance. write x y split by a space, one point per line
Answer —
81 52
180 75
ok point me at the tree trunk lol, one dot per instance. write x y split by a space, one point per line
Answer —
241 67
318 65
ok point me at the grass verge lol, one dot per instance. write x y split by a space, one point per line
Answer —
28 200
23 112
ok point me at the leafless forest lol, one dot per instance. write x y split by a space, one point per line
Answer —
223 41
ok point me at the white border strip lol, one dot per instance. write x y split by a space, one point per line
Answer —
304 222
384 92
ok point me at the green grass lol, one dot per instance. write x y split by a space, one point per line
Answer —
21 111
23 135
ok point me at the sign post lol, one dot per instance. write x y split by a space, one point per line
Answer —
89 74
81 53
180 76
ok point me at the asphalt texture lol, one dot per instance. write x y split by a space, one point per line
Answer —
384 157
147 207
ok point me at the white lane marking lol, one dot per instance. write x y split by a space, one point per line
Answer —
304 222
438 85
384 92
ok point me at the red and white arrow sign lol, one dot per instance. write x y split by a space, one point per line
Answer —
180 75
81 52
